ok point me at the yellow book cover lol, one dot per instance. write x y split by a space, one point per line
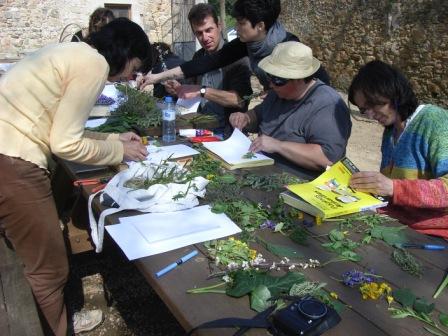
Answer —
329 195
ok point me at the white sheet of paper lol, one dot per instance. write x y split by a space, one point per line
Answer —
188 105
157 154
111 91
95 122
154 233
234 148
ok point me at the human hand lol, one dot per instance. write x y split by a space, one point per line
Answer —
129 136
372 182
239 120
134 151
264 143
171 86
145 80
188 91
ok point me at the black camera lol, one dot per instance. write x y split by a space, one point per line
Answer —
307 316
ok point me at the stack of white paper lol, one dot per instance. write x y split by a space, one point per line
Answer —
154 233
157 154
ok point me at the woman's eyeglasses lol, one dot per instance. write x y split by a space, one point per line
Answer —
277 81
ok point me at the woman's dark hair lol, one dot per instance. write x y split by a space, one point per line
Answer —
257 10
99 18
199 12
377 80
119 41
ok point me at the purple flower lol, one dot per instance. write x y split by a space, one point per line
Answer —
268 224
355 278
104 100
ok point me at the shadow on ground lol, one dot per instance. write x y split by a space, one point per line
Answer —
112 283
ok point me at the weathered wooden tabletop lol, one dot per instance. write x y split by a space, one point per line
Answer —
361 317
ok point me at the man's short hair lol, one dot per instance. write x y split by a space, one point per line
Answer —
257 10
199 12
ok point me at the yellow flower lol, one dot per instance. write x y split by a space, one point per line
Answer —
252 254
334 295
210 177
389 299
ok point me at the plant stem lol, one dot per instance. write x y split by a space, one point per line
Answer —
441 287
209 289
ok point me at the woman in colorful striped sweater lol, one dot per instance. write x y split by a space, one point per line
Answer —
414 165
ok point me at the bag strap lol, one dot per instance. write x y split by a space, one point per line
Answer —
258 321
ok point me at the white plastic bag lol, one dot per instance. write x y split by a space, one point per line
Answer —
156 198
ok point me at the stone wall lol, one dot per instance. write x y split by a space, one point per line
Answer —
344 34
28 25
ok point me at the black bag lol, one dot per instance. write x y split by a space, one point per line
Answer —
305 316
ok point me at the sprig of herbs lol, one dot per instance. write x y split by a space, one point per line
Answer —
407 262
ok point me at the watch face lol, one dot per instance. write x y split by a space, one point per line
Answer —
202 91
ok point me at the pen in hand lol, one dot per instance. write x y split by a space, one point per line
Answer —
178 262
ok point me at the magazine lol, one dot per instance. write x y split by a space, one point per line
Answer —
330 195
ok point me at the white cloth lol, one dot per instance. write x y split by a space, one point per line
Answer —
157 198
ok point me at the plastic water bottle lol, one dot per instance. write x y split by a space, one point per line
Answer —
168 121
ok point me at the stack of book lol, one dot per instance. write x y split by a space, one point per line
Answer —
330 195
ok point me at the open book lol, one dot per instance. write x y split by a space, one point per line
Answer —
233 152
329 195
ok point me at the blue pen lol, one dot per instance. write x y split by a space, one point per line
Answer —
424 246
180 261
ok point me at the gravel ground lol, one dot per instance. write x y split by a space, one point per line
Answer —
110 282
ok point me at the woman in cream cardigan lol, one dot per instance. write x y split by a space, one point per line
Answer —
45 100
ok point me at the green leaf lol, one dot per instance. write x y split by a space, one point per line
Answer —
443 319
259 298
393 238
299 236
441 287
227 179
404 296
376 232
433 331
335 235
283 251
279 227
399 313
350 255
245 282
423 306
366 239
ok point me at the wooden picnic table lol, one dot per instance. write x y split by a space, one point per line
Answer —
360 317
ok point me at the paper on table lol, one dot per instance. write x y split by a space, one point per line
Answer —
92 123
134 234
234 148
157 154
185 106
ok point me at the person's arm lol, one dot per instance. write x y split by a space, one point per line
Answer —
421 193
85 78
222 97
229 53
309 156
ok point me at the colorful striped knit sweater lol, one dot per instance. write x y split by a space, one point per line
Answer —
418 165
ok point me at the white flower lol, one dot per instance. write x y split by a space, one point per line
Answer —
226 278
292 267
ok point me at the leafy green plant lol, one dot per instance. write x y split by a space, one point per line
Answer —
137 109
342 245
407 262
441 287
419 309
248 215
268 182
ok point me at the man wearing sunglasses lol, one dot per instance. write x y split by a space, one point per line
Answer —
302 123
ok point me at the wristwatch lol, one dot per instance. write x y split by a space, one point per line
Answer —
202 91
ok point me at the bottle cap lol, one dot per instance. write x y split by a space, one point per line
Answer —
168 99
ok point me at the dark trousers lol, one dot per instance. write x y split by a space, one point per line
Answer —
30 221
